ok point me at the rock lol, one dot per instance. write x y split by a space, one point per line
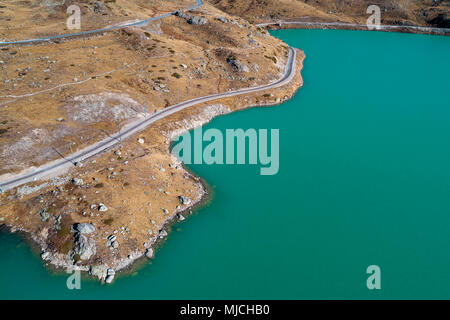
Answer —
110 273
117 153
45 255
222 19
77 181
150 231
84 228
84 247
100 8
163 233
60 119
141 140
180 217
237 65
181 14
184 200
98 271
115 244
197 20
102 207
149 253
58 223
183 66
111 239
44 215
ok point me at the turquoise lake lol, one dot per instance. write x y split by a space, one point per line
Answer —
364 180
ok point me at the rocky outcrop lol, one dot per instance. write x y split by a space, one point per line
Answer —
99 271
194 20
84 247
84 228
237 65
197 20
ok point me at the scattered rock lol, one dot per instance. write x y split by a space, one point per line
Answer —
45 255
111 239
44 215
100 8
184 200
149 253
115 244
102 207
84 228
77 181
222 19
163 233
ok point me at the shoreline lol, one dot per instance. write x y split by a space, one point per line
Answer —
280 25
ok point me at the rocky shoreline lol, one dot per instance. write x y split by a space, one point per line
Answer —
275 25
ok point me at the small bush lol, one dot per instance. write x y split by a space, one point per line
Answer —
108 221
272 58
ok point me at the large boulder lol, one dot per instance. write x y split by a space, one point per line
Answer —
84 247
99 271
197 20
110 273
84 228
237 65
149 253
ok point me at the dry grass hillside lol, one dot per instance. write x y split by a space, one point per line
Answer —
432 13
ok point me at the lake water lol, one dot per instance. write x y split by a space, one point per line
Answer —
364 180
